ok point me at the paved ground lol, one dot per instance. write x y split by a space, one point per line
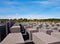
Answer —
25 36
26 39
29 43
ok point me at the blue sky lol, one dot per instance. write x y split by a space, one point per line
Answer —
31 9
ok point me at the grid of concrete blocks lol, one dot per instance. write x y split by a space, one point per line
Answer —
39 33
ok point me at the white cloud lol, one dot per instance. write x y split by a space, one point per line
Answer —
29 16
54 0
58 7
47 2
11 3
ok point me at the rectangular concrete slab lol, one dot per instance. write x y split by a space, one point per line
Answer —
30 31
56 34
13 38
42 38
15 29
16 24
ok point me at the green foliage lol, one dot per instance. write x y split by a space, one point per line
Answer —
38 20
33 20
